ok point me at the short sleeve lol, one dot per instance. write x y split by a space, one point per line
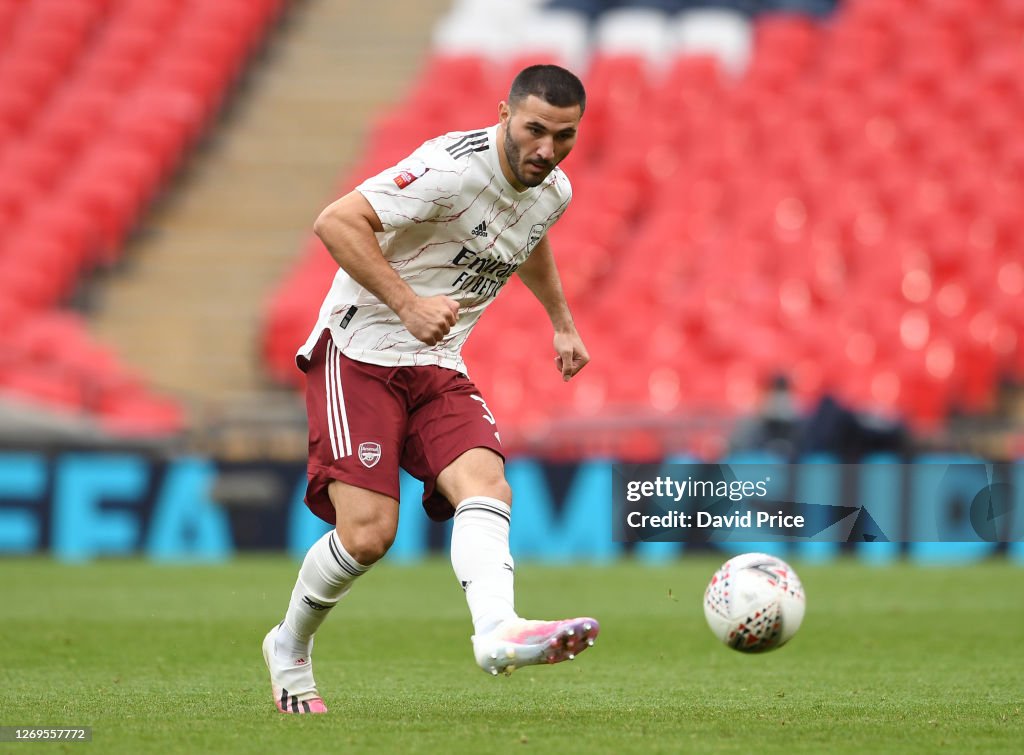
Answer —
564 198
416 190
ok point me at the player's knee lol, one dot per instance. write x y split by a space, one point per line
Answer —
368 544
499 488
475 473
504 491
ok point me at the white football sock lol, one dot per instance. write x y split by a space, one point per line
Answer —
482 562
326 575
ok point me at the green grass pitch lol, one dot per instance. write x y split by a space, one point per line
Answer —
162 659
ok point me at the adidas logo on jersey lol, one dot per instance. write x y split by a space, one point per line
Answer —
480 230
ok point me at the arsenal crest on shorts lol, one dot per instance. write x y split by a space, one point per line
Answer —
369 454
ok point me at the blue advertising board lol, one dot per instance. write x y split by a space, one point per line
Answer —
79 506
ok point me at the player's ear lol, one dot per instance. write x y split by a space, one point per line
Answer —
504 113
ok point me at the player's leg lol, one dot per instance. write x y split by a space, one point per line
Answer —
455 447
502 641
355 426
479 547
366 525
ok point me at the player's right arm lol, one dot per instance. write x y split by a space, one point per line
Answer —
347 227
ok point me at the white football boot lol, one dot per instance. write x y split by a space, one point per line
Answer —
520 642
291 682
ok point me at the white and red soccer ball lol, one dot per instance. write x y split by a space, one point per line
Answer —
754 603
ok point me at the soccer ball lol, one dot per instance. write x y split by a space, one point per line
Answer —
754 603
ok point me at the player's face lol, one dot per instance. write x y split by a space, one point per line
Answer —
536 137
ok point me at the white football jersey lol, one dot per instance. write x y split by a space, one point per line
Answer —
453 225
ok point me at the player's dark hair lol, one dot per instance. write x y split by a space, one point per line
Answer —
553 84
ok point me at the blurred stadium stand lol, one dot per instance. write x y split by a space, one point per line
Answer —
99 103
155 177
761 189
824 190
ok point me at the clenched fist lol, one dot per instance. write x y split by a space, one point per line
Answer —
430 318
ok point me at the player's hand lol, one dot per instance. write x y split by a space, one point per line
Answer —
430 318
572 354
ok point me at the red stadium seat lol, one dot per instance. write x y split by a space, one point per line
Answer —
139 415
18 106
36 163
43 385
98 102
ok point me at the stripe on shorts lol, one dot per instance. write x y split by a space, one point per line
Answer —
329 391
337 417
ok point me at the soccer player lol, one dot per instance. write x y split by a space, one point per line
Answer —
423 249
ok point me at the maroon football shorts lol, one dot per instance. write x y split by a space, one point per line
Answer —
367 420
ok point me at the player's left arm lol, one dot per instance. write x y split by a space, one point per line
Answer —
540 274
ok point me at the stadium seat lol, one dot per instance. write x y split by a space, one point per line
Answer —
552 36
722 32
633 31
98 103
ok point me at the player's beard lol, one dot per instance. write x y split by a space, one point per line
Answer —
514 155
